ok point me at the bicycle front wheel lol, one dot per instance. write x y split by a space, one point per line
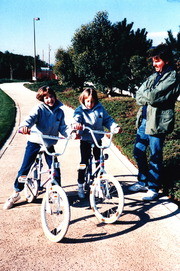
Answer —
55 213
107 198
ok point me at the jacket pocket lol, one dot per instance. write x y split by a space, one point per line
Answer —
165 121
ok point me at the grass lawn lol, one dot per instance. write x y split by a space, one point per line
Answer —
7 116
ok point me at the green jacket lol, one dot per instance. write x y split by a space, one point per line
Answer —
160 101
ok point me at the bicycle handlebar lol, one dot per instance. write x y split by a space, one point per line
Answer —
42 136
93 132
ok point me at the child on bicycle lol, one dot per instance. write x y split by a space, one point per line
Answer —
90 113
47 118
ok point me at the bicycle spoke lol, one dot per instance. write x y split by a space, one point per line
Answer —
55 214
107 199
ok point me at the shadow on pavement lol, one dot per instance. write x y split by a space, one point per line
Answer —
140 213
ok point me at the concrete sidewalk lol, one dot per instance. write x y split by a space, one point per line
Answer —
146 237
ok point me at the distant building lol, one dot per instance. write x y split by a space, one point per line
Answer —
45 73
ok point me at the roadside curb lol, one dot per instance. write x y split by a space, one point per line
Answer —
14 130
124 160
165 201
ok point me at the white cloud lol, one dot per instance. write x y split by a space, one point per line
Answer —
159 37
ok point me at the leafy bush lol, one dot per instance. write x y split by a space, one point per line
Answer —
52 83
9 81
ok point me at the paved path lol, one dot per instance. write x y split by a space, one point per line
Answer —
146 237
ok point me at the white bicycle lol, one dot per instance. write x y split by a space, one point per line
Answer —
106 194
55 209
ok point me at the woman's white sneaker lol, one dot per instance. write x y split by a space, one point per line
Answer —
150 195
137 188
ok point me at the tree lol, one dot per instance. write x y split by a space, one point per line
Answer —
102 51
140 70
139 42
65 70
93 50
174 43
16 66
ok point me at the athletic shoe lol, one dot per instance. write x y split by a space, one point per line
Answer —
81 194
10 201
150 195
138 188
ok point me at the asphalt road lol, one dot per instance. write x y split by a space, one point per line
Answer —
146 237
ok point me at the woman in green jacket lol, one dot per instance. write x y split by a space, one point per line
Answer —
155 119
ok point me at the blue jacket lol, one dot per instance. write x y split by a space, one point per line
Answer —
47 121
95 118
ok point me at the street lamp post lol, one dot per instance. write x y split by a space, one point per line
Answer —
35 70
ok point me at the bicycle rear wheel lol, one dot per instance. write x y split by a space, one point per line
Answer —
107 198
55 213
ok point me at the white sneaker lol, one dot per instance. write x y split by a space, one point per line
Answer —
81 194
137 188
10 201
150 195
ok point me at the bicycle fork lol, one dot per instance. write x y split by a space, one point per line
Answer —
52 197
102 190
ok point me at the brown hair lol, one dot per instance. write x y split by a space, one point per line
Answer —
44 91
162 51
88 92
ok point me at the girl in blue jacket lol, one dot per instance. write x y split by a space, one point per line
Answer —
90 113
47 118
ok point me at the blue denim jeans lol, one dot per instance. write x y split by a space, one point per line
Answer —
149 173
30 154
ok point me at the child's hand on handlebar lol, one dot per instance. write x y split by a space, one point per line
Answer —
77 126
75 134
24 130
117 130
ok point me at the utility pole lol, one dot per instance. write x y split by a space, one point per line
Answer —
35 70
49 55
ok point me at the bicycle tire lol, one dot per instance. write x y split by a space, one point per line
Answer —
55 213
31 187
107 208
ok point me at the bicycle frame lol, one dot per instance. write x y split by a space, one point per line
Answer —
106 195
100 168
37 168
54 164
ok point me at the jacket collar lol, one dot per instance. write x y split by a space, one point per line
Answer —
84 108
57 105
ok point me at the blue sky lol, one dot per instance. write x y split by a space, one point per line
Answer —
59 19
